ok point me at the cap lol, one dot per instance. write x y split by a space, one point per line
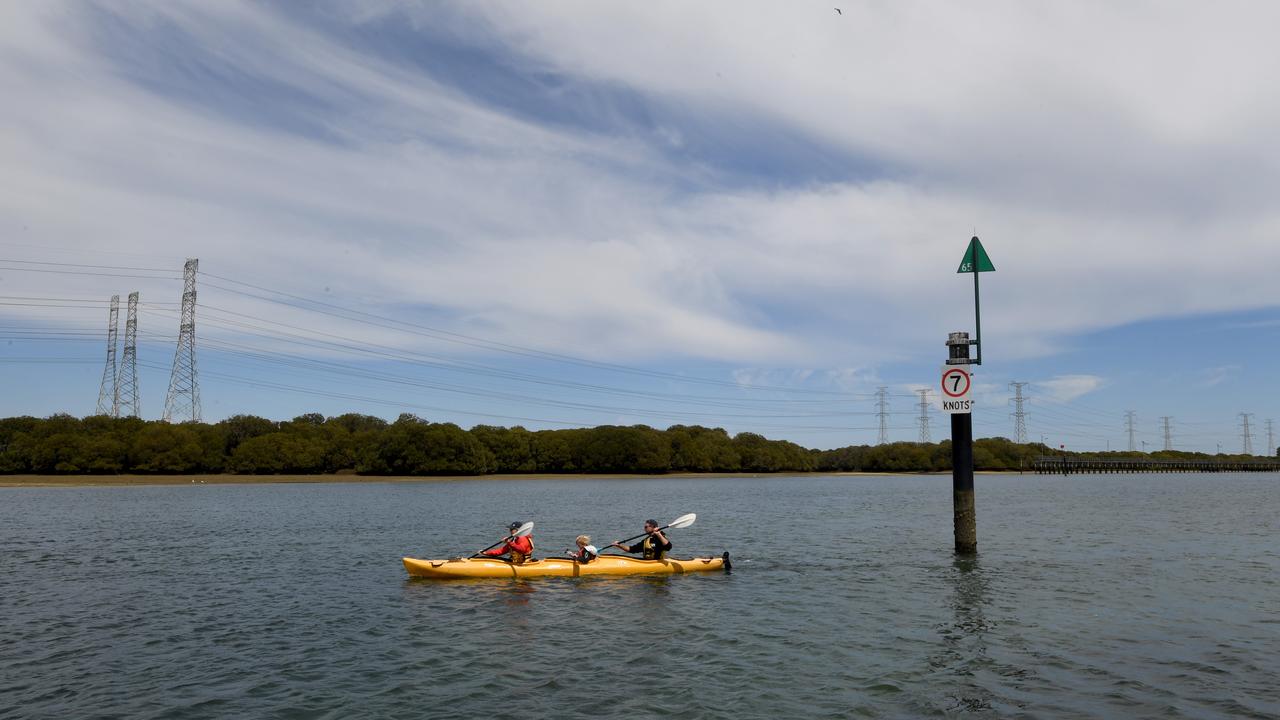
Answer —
514 526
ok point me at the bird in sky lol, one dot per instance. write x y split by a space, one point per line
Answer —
838 11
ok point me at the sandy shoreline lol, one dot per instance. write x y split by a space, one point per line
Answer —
7 481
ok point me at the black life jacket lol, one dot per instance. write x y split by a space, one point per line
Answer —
651 548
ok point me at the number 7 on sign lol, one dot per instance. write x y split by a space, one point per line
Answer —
957 384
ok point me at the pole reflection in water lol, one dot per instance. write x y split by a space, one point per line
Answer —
972 664
964 644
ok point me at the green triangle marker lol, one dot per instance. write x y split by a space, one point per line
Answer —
983 262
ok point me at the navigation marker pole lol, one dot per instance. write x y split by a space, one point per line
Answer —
957 388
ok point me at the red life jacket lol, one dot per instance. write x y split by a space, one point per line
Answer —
521 549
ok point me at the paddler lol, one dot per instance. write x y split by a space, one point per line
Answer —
653 546
520 548
586 552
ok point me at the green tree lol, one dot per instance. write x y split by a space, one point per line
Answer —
552 451
611 448
699 449
412 447
355 423
512 449
164 448
279 452
238 428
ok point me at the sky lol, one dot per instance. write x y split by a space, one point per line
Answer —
568 214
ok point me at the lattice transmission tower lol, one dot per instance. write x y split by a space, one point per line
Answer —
1019 417
925 436
1129 416
107 391
882 412
1246 435
183 400
1168 431
127 385
1271 439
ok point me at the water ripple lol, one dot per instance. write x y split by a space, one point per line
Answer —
1110 596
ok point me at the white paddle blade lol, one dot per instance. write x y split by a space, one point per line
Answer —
523 530
683 521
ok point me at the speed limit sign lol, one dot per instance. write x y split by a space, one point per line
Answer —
957 387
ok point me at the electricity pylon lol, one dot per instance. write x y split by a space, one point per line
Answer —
183 400
107 391
1019 417
925 436
127 386
882 411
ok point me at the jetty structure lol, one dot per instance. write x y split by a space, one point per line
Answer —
1068 465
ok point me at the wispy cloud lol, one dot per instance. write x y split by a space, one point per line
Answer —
1209 377
773 377
1065 388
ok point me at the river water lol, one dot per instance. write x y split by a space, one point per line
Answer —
1092 596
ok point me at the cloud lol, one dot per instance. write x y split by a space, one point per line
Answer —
773 377
762 187
1065 388
494 223
1210 377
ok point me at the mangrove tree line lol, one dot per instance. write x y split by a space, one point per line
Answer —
363 444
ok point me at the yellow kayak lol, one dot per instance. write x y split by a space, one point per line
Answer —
559 567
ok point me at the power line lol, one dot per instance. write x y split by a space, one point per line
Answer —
77 299
85 272
350 371
448 336
524 377
94 267
482 369
50 305
1070 418
422 359
1077 407
46 360
402 403
47 248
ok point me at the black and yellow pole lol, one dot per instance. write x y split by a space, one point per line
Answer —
965 513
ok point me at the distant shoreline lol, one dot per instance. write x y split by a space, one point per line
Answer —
8 481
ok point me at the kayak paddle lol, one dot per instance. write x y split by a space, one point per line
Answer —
681 522
521 531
